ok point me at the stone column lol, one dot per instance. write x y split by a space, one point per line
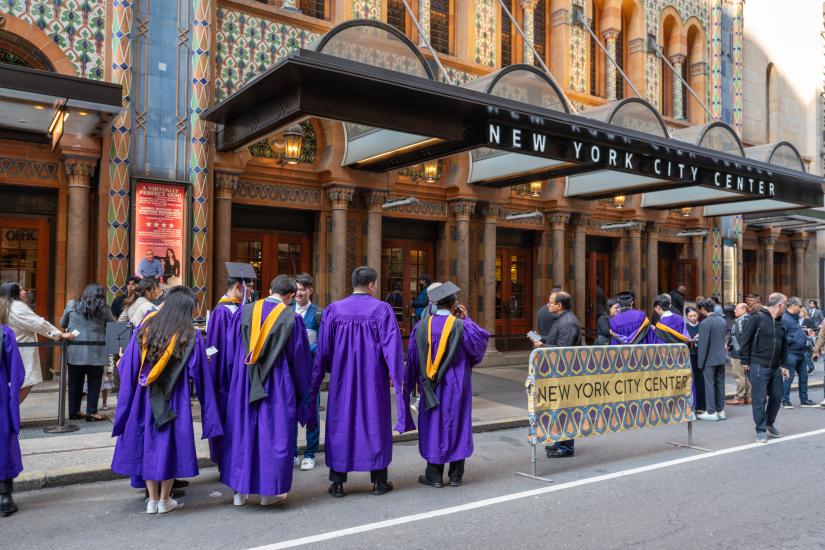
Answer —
424 21
529 7
799 245
226 183
339 198
635 235
558 222
579 265
698 244
489 269
463 209
374 216
768 241
610 73
652 264
80 171
677 61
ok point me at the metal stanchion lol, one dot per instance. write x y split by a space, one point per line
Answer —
61 426
532 474
690 444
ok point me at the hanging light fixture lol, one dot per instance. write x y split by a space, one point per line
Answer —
431 171
293 144
535 188
619 201
685 211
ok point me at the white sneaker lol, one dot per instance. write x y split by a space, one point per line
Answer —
822 404
722 415
307 463
239 499
296 461
272 500
713 417
166 506
151 506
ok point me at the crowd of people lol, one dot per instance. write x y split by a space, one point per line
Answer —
767 346
258 375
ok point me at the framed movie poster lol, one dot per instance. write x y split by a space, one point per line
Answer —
160 230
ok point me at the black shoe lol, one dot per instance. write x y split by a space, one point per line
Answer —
176 493
77 416
787 405
559 453
337 490
180 484
7 505
457 482
424 481
381 488
811 370
808 403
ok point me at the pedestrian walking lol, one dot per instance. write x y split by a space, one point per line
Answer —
763 355
86 317
711 359
797 340
443 349
743 385
12 374
692 329
359 345
153 419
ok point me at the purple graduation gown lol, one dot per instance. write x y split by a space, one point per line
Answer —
445 433
674 322
144 452
220 335
259 438
12 374
626 323
359 344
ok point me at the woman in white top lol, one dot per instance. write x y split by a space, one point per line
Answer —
140 301
26 324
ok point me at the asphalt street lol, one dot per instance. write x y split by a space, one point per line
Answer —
627 490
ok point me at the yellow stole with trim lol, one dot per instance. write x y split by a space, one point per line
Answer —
433 364
259 331
158 368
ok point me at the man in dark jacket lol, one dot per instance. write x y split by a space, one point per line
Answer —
711 359
797 343
545 319
763 352
677 297
565 331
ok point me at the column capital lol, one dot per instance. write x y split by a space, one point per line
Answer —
492 212
799 240
768 241
635 230
340 197
610 34
582 221
226 183
558 219
375 199
80 170
653 229
528 5
463 209
678 59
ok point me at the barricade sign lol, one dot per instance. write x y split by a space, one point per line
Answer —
577 392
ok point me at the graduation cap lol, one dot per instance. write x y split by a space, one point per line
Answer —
242 271
625 298
442 291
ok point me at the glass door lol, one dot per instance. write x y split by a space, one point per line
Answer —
271 254
24 252
513 295
403 262
597 273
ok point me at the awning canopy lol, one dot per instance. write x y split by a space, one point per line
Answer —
29 99
621 144
797 220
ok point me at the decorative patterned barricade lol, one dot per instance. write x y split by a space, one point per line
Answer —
578 392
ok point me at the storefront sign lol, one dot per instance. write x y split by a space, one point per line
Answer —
584 391
159 222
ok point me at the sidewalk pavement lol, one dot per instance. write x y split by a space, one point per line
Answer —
85 456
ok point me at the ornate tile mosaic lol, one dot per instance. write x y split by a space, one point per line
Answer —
484 39
245 45
77 26
366 9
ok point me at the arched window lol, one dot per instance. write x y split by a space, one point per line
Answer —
440 25
17 51
540 38
397 15
771 104
669 43
597 60
694 69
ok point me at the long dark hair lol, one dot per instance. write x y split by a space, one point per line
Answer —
174 257
145 285
92 303
9 292
174 318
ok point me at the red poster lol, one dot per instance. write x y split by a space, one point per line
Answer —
160 210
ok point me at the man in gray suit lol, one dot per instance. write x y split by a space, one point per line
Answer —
711 358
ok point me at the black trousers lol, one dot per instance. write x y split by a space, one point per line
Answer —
435 472
6 487
766 395
77 374
376 476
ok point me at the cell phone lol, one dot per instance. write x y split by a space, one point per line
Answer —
534 336
76 333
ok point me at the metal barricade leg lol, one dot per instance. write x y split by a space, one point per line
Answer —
62 427
532 474
690 444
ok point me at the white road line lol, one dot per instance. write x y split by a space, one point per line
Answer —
524 494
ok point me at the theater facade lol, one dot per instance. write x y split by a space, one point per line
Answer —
321 135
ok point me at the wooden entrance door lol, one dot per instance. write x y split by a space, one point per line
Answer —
513 298
24 257
748 273
271 254
403 262
684 271
598 279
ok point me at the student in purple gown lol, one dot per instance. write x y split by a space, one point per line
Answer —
220 342
630 326
12 373
443 349
267 394
153 419
359 344
670 329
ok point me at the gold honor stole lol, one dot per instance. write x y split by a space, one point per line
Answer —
160 366
228 300
260 331
433 364
664 328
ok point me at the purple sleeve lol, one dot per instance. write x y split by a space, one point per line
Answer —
17 373
205 388
475 341
127 368
411 373
300 367
323 356
392 351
